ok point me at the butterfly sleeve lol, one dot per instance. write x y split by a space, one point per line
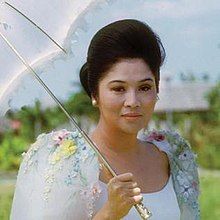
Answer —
185 175
57 179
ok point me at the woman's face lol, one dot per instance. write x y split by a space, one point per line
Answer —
127 96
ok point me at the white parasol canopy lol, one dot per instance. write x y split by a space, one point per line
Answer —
59 19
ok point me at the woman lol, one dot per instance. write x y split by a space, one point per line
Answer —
62 178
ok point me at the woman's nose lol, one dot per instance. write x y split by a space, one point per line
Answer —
132 100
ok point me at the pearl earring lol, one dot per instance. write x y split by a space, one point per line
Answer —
94 102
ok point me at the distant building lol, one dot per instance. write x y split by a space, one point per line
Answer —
184 97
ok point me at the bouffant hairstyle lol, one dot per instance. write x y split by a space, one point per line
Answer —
122 39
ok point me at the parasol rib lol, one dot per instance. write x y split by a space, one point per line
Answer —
37 26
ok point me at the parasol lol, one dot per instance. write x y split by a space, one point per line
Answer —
38 49
37 44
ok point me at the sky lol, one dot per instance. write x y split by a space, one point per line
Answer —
189 31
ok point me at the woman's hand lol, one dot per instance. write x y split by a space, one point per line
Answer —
123 193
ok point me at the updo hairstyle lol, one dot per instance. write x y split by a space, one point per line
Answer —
121 39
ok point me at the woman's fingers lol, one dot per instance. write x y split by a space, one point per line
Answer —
125 177
134 200
138 199
131 192
125 182
135 191
123 193
130 185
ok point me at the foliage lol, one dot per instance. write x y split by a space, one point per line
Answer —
213 98
202 129
10 152
208 130
80 104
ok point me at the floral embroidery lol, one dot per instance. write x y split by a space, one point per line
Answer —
185 155
186 191
66 149
186 187
157 136
59 136
62 147
184 168
96 190
28 156
90 194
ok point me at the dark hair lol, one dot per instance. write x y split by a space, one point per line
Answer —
121 39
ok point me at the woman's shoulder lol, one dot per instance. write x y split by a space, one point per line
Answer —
169 141
184 168
182 157
57 146
59 165
61 156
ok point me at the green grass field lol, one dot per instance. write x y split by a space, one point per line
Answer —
209 199
6 194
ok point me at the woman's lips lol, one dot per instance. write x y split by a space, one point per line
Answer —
131 116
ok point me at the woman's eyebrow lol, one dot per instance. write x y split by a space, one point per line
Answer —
143 80
146 79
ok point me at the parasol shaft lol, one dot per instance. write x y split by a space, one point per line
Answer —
143 211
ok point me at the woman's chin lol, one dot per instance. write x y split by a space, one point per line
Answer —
132 129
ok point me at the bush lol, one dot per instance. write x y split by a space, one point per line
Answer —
11 149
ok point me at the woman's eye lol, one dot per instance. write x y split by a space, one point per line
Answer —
118 89
145 88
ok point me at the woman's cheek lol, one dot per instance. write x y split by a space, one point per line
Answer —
112 101
150 99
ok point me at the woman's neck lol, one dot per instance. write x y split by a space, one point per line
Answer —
108 138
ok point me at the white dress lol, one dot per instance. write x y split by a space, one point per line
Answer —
59 179
163 204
